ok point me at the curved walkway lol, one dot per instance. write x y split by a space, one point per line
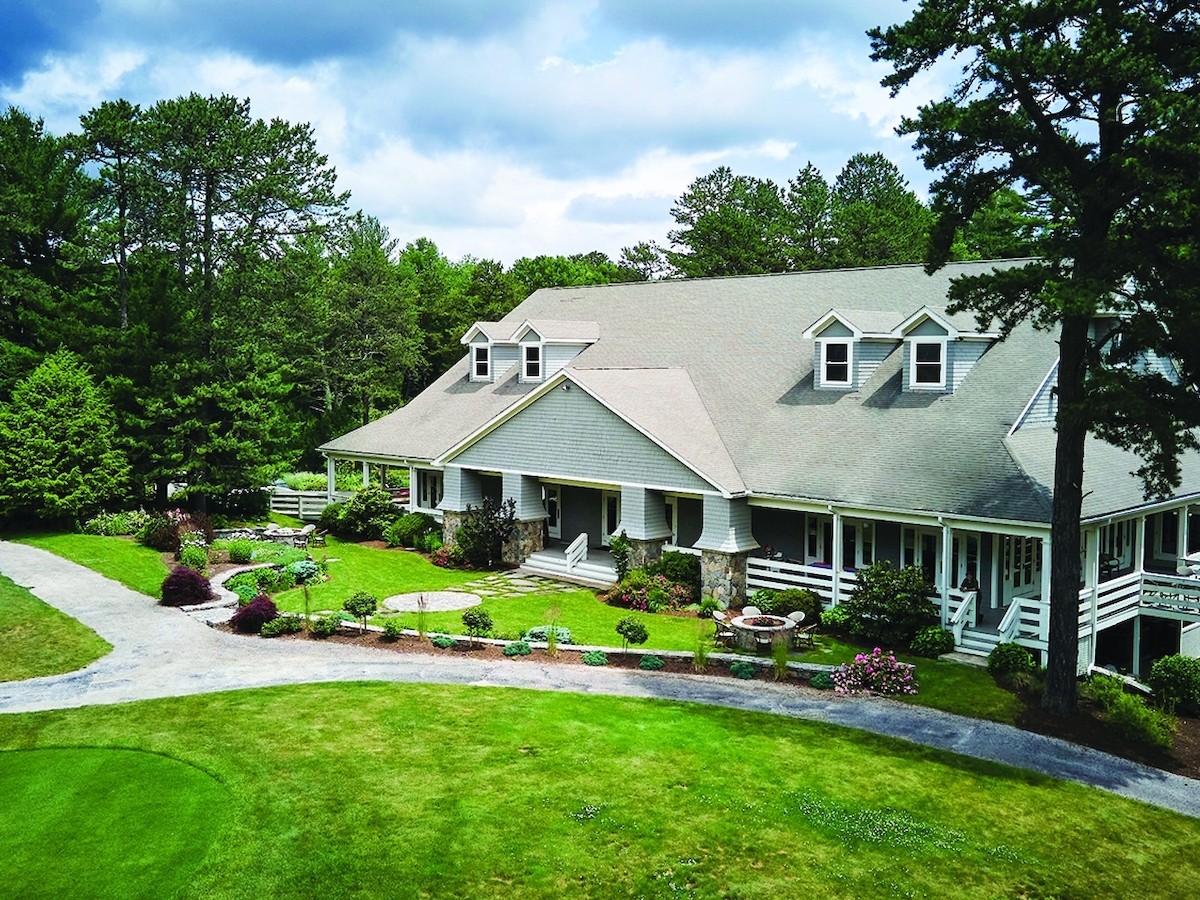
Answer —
160 652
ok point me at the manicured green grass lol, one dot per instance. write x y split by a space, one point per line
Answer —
36 639
382 790
121 559
87 822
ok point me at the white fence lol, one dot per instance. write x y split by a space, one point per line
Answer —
779 575
307 505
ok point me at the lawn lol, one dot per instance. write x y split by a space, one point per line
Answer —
372 790
36 639
121 559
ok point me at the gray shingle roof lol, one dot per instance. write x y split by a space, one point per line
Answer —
739 342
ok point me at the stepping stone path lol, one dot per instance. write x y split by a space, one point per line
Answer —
503 585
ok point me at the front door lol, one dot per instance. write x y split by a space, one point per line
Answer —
612 516
551 499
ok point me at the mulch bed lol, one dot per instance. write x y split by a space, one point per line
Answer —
1087 729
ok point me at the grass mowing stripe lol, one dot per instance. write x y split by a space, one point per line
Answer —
36 639
352 790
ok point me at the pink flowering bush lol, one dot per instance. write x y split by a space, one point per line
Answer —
648 593
877 673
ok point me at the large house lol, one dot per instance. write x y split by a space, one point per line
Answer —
791 429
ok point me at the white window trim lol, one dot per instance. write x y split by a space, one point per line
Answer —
427 478
541 376
849 382
487 350
915 385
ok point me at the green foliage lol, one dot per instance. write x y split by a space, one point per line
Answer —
1009 659
286 624
484 530
594 658
304 570
517 648
742 670
368 514
194 557
779 657
708 606
648 593
60 459
836 618
449 557
889 606
781 603
651 663
241 551
680 568
325 626
361 605
393 630
477 621
539 633
116 524
632 631
410 528
331 517
1175 681
442 641
932 641
1130 717
618 547
822 681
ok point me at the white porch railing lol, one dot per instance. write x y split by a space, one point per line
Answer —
1027 622
779 575
304 504
577 551
963 612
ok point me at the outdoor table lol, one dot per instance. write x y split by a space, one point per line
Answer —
283 535
747 635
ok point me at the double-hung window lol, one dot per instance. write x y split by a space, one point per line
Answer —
481 366
835 364
531 362
928 364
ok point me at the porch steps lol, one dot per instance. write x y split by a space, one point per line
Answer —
554 565
978 642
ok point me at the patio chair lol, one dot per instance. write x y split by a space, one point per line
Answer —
724 635
751 611
317 539
802 638
796 616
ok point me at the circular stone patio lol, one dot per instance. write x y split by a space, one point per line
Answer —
435 601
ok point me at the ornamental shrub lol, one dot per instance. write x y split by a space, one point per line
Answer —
618 548
409 528
325 626
451 557
303 570
708 606
1130 717
484 530
932 641
186 587
368 514
477 621
428 543
393 630
538 634
251 617
822 681
445 642
680 568
632 631
1175 681
595 658
285 624
241 551
890 606
781 603
331 517
742 670
648 593
517 648
194 557
836 618
159 533
875 672
1009 659
116 524
361 605
651 663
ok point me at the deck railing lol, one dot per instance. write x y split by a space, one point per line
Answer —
778 574
1027 622
304 504
577 551
962 606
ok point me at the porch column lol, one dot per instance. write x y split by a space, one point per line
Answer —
412 488
1136 668
1181 524
997 564
1139 548
330 478
460 488
838 553
1091 576
526 494
724 545
947 552
644 521
1046 569
366 474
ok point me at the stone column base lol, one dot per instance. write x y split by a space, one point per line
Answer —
526 539
451 522
723 577
643 553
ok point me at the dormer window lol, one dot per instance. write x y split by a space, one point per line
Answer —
928 364
481 362
835 364
531 362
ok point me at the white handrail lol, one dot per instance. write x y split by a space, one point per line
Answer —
577 551
964 615
1010 623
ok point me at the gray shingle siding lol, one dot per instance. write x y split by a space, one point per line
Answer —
504 357
961 357
558 355
868 356
567 434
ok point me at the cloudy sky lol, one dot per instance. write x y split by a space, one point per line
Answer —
503 128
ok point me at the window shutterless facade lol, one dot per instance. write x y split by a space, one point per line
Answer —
835 364
429 488
481 363
928 364
531 362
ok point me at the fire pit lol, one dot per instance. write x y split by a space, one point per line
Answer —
751 629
